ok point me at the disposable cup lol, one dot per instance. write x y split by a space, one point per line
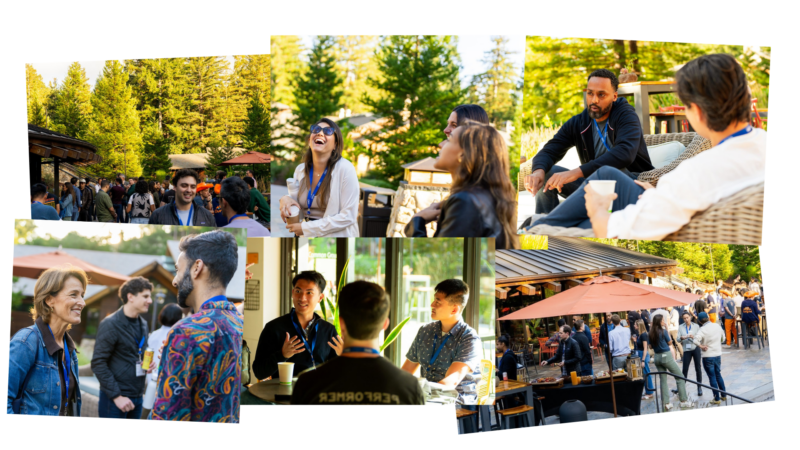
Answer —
604 187
285 371
294 214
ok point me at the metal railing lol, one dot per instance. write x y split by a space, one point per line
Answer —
729 397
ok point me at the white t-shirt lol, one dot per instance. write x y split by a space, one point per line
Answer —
140 205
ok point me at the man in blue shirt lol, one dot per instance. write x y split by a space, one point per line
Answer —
508 361
448 351
40 211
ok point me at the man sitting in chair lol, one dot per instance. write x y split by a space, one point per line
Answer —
508 362
606 133
717 98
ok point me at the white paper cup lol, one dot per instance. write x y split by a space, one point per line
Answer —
285 372
604 187
294 214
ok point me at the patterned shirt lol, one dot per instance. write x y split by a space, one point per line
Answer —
463 345
200 375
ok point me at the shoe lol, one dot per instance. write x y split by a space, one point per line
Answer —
724 399
714 402
668 407
674 391
687 404
699 392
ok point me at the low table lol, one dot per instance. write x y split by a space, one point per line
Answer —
597 397
273 391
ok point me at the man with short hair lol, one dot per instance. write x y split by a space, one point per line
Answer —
606 328
586 348
448 351
619 343
586 330
360 376
568 355
754 286
40 211
234 198
301 337
182 211
751 315
258 205
87 196
106 212
76 192
119 350
508 361
709 339
606 133
117 199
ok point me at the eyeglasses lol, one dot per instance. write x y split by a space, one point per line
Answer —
316 129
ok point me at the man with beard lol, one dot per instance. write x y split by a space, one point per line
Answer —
183 210
200 373
299 337
606 133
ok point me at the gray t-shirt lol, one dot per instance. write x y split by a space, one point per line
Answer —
600 148
254 229
184 216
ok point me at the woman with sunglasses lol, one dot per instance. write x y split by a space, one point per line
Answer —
328 191
482 201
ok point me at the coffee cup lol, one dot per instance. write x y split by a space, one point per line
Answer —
294 214
285 372
604 187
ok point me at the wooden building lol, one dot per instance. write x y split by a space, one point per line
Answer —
48 147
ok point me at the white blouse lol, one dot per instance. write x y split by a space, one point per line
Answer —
341 215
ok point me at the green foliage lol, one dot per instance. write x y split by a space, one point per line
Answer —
73 240
495 89
746 261
218 154
153 242
257 133
417 89
16 297
392 336
286 66
354 60
23 230
36 94
206 114
71 106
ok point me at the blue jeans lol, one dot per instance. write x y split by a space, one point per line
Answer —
572 211
75 213
106 408
649 388
118 210
140 220
714 372
547 201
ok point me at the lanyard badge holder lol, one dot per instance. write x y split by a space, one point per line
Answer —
309 349
189 219
310 196
602 135
436 351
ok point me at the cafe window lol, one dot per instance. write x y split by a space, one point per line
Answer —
322 258
487 311
369 261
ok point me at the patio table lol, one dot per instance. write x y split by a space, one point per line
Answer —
503 389
597 397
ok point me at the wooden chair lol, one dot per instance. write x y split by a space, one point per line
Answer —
543 348
464 417
524 412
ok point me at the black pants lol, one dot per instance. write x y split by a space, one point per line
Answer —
695 354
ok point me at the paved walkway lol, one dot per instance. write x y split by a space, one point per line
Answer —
278 227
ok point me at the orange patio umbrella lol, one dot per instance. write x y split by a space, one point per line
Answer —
248 158
33 265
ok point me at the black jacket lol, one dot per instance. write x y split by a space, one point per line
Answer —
585 347
628 150
469 213
508 364
166 215
116 353
270 344
572 360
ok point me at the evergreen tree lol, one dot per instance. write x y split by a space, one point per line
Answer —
217 154
257 136
354 60
495 88
286 65
71 107
36 93
418 88
318 91
204 123
115 123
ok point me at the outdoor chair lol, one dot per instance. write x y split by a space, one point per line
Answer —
524 413
467 419
748 337
543 348
522 365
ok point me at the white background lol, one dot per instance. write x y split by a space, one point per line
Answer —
88 31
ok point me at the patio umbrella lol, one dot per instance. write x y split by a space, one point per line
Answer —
33 265
600 295
249 158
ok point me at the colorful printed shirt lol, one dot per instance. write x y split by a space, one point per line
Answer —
200 375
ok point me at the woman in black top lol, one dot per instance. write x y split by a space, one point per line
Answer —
643 350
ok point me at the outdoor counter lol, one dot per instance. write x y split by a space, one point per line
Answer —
596 397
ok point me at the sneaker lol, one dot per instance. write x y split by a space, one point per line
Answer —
714 402
687 404
668 407
699 392
674 391
724 399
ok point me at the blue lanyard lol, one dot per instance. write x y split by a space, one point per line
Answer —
741 132
191 211
687 329
437 350
370 350
602 137
310 197
65 366
302 336
238 215
218 298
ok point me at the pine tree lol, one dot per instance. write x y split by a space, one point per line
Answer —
204 124
36 93
495 88
286 65
115 123
354 60
257 136
418 88
219 153
71 107
318 91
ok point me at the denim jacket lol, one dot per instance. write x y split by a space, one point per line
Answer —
43 393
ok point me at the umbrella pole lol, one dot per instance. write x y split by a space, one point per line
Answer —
611 371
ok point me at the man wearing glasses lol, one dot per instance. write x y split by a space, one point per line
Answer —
301 337
606 133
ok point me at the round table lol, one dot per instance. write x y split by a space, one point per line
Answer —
273 391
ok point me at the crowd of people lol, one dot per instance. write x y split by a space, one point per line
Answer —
183 199
190 376
349 369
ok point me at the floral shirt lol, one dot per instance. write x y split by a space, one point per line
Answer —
200 376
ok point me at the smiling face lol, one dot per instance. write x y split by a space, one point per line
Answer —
68 303
452 124
186 190
600 95
141 302
306 296
450 152
320 143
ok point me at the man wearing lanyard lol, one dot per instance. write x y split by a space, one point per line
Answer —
234 196
361 376
301 337
448 351
118 352
200 375
182 210
606 133
40 211
507 367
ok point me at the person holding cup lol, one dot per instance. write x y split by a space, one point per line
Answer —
324 188
715 91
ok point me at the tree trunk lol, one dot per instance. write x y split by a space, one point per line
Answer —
619 54
634 51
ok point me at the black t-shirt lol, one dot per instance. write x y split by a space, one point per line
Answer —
644 337
583 342
169 196
357 381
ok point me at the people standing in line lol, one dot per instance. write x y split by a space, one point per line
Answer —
507 367
119 351
68 202
328 190
140 204
234 198
754 286
43 364
258 204
106 212
182 209
619 341
686 332
643 351
168 317
586 348
200 375
40 211
665 362
568 356
709 339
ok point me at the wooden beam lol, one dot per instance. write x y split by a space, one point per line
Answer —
500 294
527 289
55 151
553 286
651 274
627 277
679 270
572 283
640 275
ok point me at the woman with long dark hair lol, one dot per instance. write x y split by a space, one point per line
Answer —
68 201
463 113
141 204
665 362
152 186
327 187
482 201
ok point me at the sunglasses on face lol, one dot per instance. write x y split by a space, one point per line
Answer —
316 129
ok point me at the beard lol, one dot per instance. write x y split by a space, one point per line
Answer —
185 288
599 113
